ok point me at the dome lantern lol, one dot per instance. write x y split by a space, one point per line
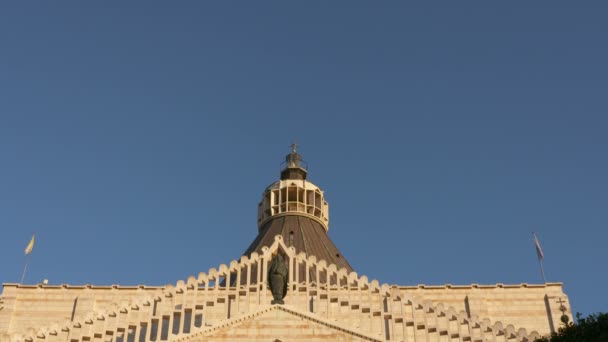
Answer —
293 194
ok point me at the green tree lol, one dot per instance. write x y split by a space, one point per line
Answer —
593 328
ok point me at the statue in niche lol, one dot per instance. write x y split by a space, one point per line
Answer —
278 274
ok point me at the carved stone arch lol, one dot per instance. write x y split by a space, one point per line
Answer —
280 250
279 246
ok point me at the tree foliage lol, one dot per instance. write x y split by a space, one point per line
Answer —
593 328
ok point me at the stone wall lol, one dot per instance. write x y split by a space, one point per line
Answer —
127 314
28 307
532 306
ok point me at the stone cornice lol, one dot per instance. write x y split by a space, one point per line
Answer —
81 287
477 286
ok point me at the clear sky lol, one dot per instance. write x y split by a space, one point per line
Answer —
136 139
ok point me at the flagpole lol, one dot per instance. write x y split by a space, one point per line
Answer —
27 261
542 271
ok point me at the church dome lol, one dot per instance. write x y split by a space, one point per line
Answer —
296 209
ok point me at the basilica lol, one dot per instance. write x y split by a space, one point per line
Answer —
292 283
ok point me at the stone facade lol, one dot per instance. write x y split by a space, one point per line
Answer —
340 306
326 300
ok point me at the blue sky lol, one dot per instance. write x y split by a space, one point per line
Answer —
136 139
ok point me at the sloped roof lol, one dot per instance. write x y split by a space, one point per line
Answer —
274 321
304 234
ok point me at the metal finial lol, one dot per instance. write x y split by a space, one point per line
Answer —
293 167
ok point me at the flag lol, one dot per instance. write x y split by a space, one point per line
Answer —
539 251
30 245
